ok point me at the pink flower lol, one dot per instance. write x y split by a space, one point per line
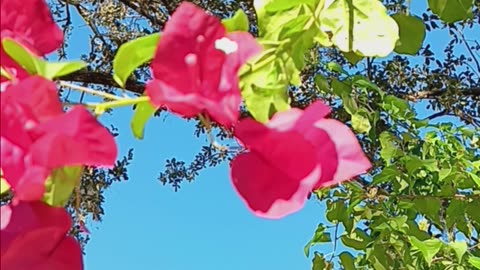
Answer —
33 236
30 23
37 137
295 153
196 64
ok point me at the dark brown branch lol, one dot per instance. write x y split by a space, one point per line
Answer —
438 114
462 36
105 79
430 94
141 12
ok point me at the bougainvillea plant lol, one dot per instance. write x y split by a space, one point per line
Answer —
202 67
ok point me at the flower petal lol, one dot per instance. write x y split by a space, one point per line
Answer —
275 177
35 238
38 94
14 141
189 32
74 138
30 23
315 111
266 190
161 94
246 48
351 159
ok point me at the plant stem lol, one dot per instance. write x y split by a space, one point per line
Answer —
5 74
88 105
89 91
206 122
121 102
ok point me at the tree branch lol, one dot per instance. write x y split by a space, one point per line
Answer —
102 78
106 79
142 12
431 94
438 114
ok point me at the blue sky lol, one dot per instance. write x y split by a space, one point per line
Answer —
205 225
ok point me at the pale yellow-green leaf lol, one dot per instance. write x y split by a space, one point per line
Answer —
360 122
360 26
4 186
452 10
429 248
263 88
474 261
459 247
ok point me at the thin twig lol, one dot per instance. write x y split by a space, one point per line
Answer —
470 51
438 114
206 122
89 91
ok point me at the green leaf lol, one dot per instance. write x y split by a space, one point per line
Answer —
412 32
358 239
279 5
352 57
319 263
4 186
472 210
362 82
263 89
5 74
414 230
268 23
341 88
388 174
60 184
133 54
361 26
378 257
51 70
429 207
459 247
347 260
332 66
143 112
321 83
413 163
475 178
455 216
35 65
264 102
20 55
452 10
389 149
336 211
474 261
320 236
360 122
294 27
397 106
239 22
428 248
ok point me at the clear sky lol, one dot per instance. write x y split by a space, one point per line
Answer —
205 226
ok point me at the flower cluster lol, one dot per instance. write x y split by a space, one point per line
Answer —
37 137
30 24
196 64
293 154
195 72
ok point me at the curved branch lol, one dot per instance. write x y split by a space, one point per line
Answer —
103 78
431 94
